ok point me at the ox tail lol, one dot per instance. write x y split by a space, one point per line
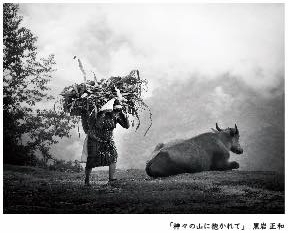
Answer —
159 146
148 168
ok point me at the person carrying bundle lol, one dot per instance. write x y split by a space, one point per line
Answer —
100 144
89 100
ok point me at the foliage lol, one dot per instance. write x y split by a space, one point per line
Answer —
90 96
26 127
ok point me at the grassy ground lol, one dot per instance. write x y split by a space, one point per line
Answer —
34 190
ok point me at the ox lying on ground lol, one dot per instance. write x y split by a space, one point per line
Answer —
208 151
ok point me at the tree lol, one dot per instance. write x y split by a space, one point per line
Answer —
25 79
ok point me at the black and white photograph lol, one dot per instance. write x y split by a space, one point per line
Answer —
147 108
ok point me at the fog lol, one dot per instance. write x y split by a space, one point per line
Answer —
184 110
205 63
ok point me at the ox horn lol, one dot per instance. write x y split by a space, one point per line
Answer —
237 131
217 127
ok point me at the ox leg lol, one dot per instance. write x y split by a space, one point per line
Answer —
225 165
220 162
220 166
233 165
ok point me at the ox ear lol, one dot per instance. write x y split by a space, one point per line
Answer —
217 127
236 129
214 130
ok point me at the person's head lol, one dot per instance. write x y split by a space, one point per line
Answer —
90 82
117 105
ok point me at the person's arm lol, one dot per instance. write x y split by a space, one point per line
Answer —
122 119
92 118
85 121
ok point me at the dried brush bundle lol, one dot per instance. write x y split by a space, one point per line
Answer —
89 96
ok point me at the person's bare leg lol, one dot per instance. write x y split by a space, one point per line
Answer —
112 169
87 173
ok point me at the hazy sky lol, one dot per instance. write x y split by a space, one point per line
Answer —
175 47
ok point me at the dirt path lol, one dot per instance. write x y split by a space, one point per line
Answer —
34 190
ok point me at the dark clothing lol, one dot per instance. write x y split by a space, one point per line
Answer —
101 146
85 121
100 153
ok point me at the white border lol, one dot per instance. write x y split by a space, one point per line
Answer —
132 222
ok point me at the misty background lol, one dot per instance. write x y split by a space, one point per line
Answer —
205 63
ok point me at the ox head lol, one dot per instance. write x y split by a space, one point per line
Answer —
233 134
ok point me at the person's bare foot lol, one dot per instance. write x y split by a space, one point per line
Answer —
87 183
112 179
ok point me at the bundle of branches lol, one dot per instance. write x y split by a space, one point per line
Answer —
90 96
